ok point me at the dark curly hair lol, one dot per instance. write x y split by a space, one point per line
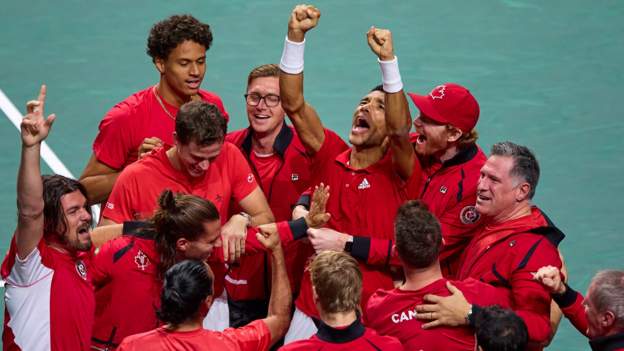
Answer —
418 235
166 35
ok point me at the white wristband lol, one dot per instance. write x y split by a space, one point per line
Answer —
292 57
390 75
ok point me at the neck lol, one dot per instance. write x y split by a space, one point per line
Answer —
172 155
262 143
339 319
365 157
186 326
418 278
170 96
520 210
448 153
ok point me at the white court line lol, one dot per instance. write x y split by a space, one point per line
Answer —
48 156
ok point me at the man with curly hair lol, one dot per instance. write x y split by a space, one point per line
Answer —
146 119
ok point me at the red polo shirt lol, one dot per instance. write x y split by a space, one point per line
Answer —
283 176
506 254
252 337
393 313
48 298
362 202
136 191
139 116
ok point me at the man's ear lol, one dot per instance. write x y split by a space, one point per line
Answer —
160 65
522 191
182 244
607 320
452 134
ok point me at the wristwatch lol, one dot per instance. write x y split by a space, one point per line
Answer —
348 245
247 217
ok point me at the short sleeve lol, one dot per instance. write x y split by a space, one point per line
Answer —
118 207
243 179
29 270
113 143
103 264
254 336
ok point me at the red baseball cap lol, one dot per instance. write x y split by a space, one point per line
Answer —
449 103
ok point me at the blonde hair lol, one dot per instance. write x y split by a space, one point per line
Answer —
268 70
337 281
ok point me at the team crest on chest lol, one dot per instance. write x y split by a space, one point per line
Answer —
443 189
141 260
250 178
469 215
294 177
81 269
364 184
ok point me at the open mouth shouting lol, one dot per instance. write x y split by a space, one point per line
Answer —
360 126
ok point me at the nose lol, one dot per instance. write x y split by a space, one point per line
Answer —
84 215
418 122
194 69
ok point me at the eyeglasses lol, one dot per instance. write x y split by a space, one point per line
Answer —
271 100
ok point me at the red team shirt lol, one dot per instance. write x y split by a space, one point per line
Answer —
252 337
139 116
354 337
506 254
136 191
49 300
449 192
393 313
363 203
283 176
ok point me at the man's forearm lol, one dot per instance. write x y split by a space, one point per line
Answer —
99 186
29 183
281 296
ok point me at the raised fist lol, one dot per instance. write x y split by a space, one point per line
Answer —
380 41
302 19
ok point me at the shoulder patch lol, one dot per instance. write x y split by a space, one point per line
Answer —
469 215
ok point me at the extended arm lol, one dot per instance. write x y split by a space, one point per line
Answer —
303 116
34 129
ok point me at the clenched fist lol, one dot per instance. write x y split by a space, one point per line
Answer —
380 41
302 19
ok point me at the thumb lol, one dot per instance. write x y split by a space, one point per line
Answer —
452 288
261 238
50 120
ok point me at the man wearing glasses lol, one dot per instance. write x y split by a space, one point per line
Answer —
282 167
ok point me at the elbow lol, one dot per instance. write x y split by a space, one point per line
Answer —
292 105
30 211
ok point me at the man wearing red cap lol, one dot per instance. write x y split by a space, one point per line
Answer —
445 141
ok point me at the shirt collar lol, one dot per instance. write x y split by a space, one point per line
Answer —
340 336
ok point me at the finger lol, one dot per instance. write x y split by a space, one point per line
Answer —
432 298
232 249
452 288
42 95
226 248
431 324
242 246
427 308
31 105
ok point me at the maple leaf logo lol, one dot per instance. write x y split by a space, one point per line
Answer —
438 92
